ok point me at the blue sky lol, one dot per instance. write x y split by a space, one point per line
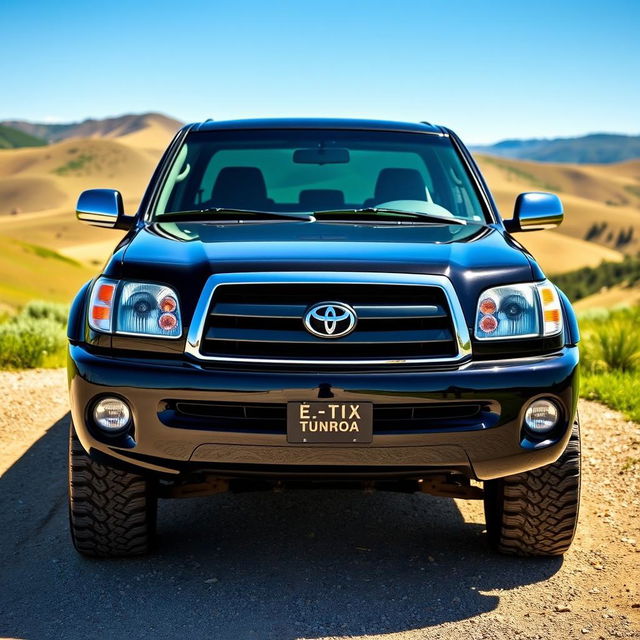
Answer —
490 70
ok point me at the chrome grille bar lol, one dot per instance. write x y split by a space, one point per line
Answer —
208 308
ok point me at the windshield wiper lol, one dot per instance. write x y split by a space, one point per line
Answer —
224 213
415 215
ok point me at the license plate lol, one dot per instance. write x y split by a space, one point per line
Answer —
330 422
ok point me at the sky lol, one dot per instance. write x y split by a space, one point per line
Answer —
489 70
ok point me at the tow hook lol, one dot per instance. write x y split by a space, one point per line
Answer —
208 486
450 487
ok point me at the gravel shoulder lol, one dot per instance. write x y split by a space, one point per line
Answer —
33 401
309 564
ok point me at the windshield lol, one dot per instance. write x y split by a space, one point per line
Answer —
299 171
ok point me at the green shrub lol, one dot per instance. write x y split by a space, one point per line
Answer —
613 346
610 357
616 389
75 166
619 347
35 337
26 343
40 309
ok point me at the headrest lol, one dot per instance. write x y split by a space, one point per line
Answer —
400 184
239 187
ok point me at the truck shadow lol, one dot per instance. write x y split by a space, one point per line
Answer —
300 564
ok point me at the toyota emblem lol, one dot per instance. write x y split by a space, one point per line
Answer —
330 320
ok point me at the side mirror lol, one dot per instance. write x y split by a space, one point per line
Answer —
534 211
103 208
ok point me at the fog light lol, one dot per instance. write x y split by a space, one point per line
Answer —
112 414
541 416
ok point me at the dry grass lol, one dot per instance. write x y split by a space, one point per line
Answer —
29 193
156 136
559 253
612 298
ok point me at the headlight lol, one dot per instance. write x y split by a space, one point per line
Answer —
518 311
135 308
148 309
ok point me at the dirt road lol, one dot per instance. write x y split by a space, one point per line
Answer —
309 564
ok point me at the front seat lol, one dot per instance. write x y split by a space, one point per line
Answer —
399 184
240 188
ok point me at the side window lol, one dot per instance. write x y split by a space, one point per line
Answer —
177 180
461 188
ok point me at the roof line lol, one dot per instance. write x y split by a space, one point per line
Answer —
320 123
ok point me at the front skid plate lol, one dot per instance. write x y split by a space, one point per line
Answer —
313 455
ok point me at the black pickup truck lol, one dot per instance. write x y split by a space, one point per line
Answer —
321 303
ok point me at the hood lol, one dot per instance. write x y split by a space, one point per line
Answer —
472 256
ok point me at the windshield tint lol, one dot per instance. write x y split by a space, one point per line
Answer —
319 170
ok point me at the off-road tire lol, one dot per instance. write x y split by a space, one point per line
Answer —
111 512
535 513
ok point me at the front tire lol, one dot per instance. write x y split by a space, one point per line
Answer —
535 513
112 513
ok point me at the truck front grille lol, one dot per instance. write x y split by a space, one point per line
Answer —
272 417
265 322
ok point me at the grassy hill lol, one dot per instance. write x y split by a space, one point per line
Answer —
29 272
11 138
590 149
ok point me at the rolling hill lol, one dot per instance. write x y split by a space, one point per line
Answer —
11 138
39 187
144 129
612 298
52 177
559 253
590 149
602 202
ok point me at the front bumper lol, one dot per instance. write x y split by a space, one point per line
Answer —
484 451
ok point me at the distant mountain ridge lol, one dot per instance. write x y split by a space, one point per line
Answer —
94 128
595 148
152 128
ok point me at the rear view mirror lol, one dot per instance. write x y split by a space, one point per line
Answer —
534 211
103 208
321 155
